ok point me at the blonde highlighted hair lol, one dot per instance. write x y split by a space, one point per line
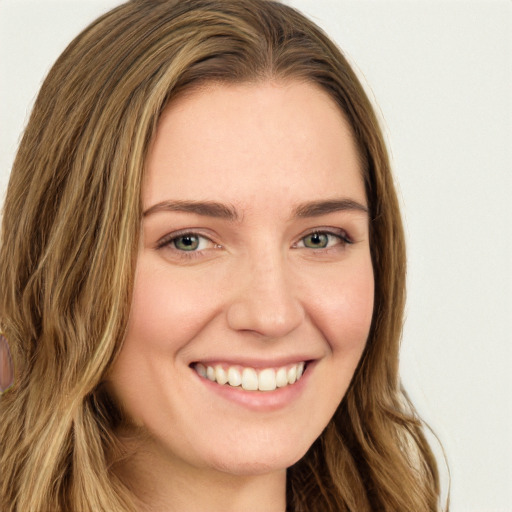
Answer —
69 241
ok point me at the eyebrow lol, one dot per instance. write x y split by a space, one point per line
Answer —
228 212
205 208
318 208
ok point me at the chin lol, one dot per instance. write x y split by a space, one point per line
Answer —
252 459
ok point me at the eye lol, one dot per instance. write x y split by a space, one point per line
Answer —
323 240
186 242
316 241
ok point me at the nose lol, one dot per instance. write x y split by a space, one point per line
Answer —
265 301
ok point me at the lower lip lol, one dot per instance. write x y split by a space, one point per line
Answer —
262 401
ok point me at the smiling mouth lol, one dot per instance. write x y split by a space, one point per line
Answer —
250 379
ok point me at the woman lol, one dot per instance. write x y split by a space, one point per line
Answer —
203 276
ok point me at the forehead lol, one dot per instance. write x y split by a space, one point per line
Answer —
253 143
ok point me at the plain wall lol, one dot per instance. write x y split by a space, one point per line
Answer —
440 73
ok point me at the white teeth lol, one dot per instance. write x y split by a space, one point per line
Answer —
200 368
220 375
267 379
281 378
300 370
234 377
292 375
249 379
210 373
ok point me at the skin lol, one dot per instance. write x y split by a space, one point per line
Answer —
255 292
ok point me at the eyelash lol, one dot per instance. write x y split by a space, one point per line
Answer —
170 241
339 234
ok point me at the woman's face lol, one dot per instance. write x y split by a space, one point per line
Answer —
254 265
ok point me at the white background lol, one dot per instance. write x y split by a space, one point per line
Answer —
441 75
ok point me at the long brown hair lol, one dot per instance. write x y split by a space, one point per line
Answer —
69 240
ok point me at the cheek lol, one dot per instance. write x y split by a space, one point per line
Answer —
343 308
169 308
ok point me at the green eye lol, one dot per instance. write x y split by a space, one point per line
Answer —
186 242
316 241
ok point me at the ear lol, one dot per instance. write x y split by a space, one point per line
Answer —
6 366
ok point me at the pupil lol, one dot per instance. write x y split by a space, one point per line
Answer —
318 240
187 242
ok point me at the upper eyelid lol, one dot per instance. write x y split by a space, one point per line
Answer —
339 232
